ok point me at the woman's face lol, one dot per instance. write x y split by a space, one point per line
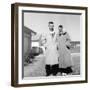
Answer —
60 29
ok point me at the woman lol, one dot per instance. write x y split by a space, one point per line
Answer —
65 63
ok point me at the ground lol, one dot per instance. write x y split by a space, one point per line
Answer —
37 68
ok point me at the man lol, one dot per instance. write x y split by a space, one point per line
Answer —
63 39
51 54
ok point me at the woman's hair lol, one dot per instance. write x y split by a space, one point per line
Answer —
60 26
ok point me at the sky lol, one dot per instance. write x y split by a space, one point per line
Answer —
39 23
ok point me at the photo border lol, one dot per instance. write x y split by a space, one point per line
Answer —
15 48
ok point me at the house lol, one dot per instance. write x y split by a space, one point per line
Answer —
27 37
30 44
75 43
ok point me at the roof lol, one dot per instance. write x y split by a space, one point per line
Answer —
28 30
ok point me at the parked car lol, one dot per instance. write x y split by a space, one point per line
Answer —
36 51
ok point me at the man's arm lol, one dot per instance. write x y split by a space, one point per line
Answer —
42 40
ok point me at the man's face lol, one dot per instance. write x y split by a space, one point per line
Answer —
60 29
51 26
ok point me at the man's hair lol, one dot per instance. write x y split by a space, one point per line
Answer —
60 26
51 22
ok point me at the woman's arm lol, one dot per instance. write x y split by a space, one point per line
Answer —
68 40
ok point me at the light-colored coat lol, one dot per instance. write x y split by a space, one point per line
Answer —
64 52
51 53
